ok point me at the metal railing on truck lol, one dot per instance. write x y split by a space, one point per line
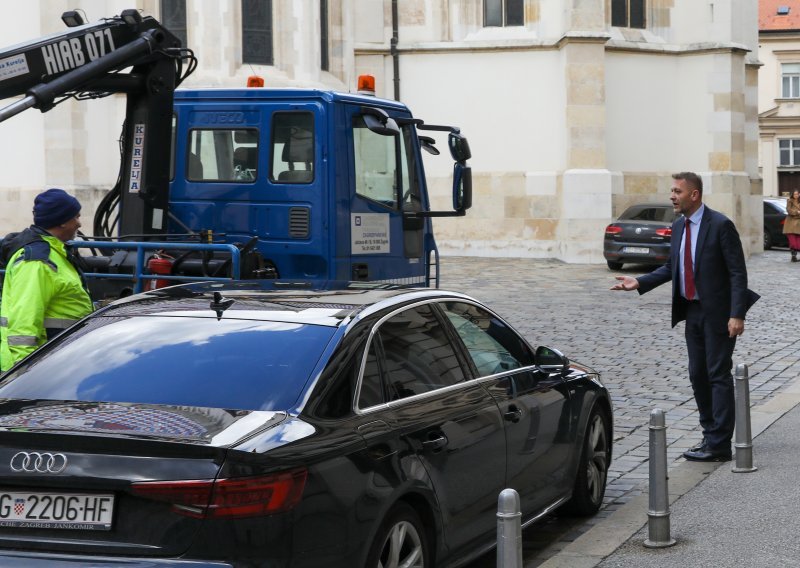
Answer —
139 276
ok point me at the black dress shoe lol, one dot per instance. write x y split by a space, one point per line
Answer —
708 455
699 447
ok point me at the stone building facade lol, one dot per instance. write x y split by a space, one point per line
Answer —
779 95
574 109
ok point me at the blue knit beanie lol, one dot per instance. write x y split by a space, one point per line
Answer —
54 207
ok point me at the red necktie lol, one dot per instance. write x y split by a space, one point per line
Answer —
688 271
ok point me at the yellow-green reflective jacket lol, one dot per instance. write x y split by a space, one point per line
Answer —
43 294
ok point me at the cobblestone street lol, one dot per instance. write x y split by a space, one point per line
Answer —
628 339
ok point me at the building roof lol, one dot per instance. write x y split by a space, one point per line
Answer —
771 16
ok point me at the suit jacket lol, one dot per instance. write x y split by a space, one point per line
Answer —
720 272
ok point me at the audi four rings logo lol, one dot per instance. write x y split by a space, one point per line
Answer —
36 462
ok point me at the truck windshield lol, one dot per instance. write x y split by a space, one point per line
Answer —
185 361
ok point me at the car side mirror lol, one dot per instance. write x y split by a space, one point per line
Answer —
549 359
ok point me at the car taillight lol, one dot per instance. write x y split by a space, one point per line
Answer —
613 230
667 232
228 498
783 220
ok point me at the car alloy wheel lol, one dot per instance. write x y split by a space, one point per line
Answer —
767 241
597 464
590 481
401 542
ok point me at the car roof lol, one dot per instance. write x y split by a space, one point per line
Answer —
659 205
328 303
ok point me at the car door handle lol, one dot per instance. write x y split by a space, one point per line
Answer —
435 444
513 414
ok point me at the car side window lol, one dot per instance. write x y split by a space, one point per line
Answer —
372 391
417 356
493 346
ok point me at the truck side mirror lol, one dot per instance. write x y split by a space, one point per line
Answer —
428 144
379 122
462 187
459 147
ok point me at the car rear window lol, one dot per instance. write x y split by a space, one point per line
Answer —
232 364
639 213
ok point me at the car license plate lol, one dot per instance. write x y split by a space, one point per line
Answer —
636 250
56 510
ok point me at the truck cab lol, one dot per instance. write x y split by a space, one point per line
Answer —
331 184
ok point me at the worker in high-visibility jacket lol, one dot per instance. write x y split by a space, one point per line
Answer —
44 291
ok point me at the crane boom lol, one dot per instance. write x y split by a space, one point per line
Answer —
127 54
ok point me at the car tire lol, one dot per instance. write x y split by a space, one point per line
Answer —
613 265
401 541
767 240
590 481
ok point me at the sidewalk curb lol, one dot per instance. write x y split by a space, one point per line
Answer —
593 546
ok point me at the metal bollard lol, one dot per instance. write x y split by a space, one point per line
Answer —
658 512
509 530
744 437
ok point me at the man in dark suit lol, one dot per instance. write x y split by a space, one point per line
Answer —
709 291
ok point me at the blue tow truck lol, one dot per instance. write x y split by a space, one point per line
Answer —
240 183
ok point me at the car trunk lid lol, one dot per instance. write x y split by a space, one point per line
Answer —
69 472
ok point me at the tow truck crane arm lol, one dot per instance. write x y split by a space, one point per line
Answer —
90 61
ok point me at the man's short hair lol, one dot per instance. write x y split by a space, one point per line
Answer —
693 180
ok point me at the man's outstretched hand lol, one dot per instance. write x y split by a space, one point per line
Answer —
626 283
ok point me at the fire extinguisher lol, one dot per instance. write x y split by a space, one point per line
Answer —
159 264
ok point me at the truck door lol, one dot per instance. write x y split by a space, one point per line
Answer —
385 246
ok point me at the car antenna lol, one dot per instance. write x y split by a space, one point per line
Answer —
219 304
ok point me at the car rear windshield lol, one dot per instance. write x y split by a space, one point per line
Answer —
232 364
639 213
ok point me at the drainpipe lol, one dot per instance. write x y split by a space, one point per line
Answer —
394 52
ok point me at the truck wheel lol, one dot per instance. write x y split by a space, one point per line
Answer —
590 482
614 265
401 541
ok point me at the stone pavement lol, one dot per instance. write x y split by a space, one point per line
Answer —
628 339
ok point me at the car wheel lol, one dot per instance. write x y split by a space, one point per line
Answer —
767 241
590 482
614 265
401 541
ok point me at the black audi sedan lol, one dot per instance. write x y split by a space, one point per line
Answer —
641 235
271 425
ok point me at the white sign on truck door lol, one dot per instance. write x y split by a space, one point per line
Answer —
369 233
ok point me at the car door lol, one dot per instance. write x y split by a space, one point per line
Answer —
532 401
415 381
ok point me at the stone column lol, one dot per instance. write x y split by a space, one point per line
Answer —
587 185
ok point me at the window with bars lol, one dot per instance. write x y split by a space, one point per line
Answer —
790 80
628 13
789 152
502 13
173 16
257 32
